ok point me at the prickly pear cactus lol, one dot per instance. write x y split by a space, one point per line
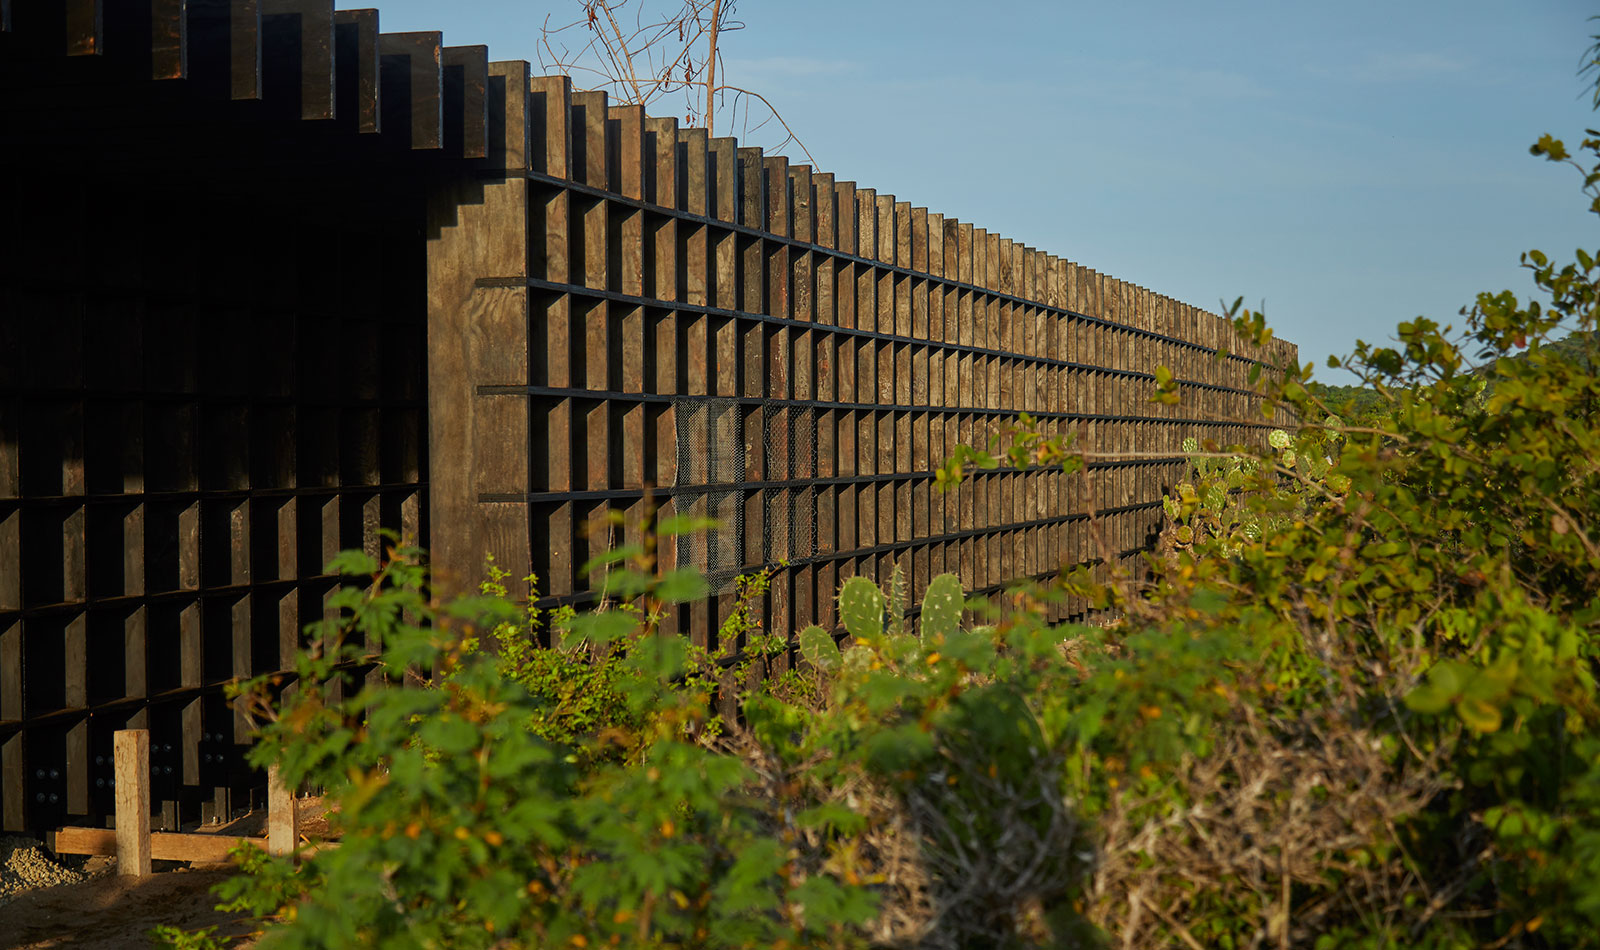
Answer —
941 606
861 607
898 598
817 646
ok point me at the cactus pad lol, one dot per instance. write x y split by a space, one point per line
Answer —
861 607
941 606
818 648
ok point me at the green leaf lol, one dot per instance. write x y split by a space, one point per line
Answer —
600 628
682 586
676 525
352 563
449 734
1479 715
611 556
1428 699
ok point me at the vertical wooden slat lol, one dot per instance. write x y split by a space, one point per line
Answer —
12 781
169 48
549 113
301 31
478 444
244 49
625 135
357 80
86 27
412 90
464 78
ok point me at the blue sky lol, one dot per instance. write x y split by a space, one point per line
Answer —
1352 164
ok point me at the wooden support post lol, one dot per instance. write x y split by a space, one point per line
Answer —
283 825
131 758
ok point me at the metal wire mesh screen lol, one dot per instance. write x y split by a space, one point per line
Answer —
711 458
789 532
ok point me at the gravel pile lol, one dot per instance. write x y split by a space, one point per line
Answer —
25 865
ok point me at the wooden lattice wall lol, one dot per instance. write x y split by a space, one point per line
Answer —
273 280
632 293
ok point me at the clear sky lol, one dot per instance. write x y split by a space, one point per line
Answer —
1352 164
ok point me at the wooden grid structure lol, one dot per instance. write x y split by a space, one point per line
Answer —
274 280
647 289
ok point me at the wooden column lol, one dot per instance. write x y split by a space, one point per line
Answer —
131 761
478 322
283 817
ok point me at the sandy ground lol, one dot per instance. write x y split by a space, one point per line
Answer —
111 912
49 902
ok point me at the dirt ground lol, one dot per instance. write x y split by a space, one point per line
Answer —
111 912
98 910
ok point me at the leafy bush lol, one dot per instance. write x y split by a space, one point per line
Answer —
465 822
1401 616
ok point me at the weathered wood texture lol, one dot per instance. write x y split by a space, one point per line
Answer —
159 845
132 772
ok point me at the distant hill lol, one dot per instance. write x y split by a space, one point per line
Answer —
1355 401
1351 402
1577 346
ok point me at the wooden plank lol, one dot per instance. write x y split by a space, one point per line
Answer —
283 815
244 49
478 337
722 193
300 33
13 787
464 86
76 663
697 274
169 47
357 83
660 155
412 86
11 560
131 761
86 27
194 847
625 161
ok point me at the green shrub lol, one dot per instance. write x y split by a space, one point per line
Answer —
465 821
